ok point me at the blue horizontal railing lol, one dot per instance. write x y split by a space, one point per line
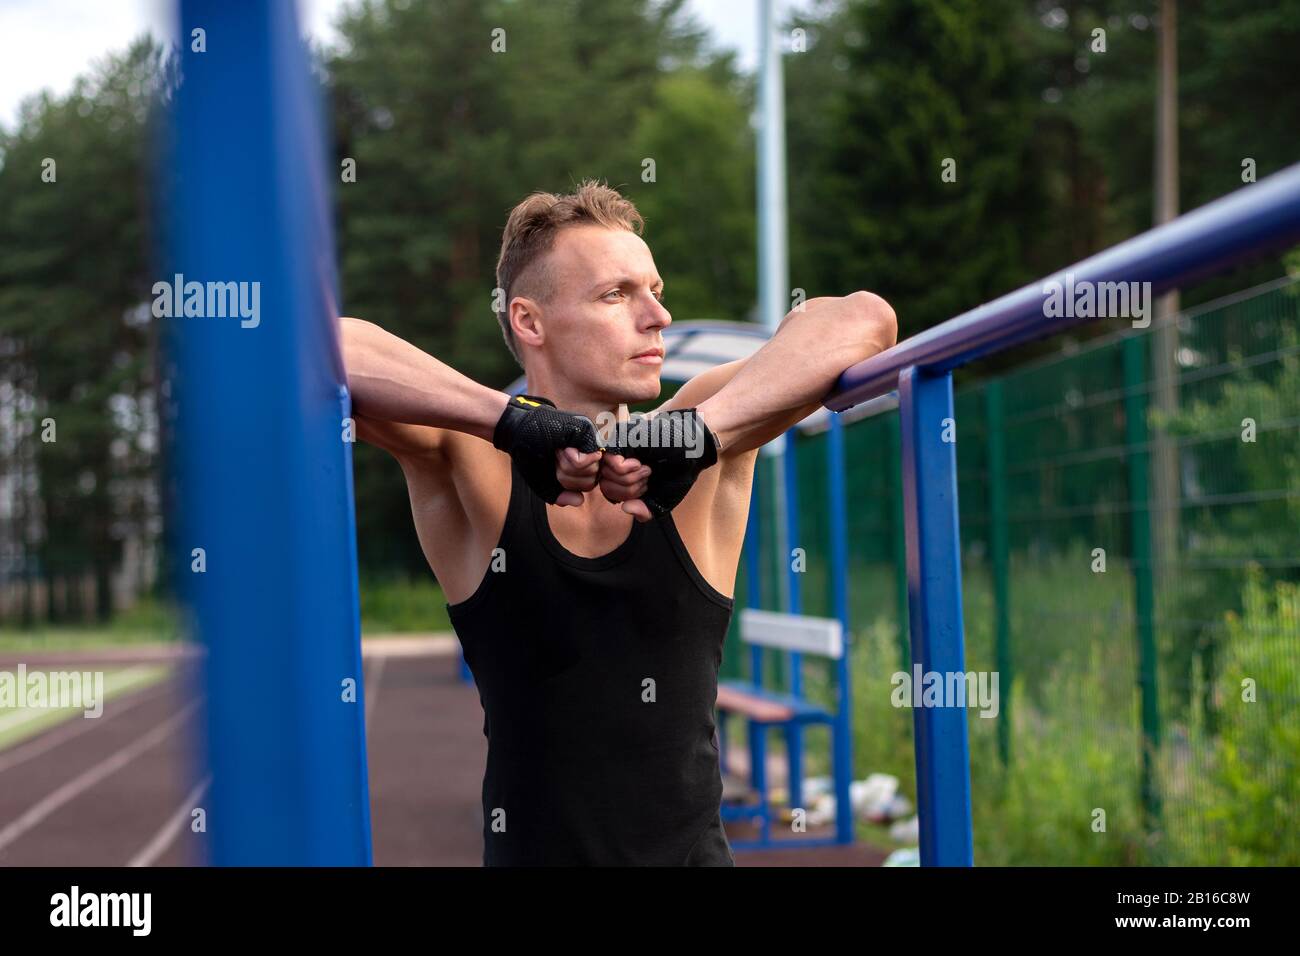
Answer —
1249 223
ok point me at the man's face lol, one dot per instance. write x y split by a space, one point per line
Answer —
604 320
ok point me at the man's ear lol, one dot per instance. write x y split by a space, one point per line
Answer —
525 320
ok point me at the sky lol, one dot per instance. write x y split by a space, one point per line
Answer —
46 44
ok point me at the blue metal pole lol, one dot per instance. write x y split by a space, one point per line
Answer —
839 576
754 568
793 732
790 463
934 604
753 598
263 538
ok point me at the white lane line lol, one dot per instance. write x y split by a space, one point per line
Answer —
75 728
87 779
171 829
372 689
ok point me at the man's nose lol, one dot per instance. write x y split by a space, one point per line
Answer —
657 316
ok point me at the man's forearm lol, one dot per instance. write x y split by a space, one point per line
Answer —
392 380
794 372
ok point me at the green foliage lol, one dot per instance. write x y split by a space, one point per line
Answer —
1238 434
1230 796
397 605
882 739
74 346
1235 69
149 621
1249 433
698 135
1071 760
929 81
1245 810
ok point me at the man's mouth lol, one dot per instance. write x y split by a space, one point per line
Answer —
650 357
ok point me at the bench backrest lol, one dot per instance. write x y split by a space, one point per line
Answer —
823 636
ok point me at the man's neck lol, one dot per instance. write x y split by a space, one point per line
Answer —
598 412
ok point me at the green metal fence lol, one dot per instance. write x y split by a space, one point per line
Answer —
1148 650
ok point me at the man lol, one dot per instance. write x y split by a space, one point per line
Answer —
591 587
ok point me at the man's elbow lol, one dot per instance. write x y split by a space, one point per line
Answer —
879 323
864 324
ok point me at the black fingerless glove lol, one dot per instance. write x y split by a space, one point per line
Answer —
531 430
677 446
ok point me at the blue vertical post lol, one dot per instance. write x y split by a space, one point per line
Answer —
839 575
753 596
934 607
794 732
263 531
754 566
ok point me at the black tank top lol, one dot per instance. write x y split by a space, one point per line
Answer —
598 678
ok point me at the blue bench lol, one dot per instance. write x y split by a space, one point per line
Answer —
763 708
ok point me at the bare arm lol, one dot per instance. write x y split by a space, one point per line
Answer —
788 378
404 398
703 386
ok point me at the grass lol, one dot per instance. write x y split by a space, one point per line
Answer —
1070 793
396 606
150 621
392 606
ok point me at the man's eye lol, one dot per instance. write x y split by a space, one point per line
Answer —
611 292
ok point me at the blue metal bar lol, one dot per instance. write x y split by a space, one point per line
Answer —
793 732
262 470
934 603
1252 221
838 571
756 732
754 568
790 465
758 777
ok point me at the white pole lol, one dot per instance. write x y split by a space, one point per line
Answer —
773 258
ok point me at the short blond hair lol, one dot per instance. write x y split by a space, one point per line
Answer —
530 235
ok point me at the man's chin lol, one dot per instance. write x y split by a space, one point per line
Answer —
641 385
645 391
